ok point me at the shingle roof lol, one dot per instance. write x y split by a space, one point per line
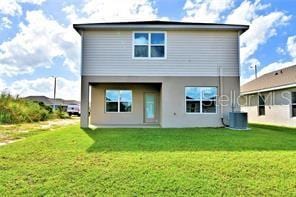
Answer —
50 101
157 22
276 79
160 24
71 102
41 99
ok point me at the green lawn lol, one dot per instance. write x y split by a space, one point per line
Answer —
71 161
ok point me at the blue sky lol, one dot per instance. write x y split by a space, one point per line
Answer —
37 40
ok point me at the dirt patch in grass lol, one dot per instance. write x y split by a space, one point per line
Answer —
14 132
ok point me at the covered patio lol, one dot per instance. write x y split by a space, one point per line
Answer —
120 104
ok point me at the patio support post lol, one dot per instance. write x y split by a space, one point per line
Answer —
84 118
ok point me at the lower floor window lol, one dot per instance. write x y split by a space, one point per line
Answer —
261 110
294 110
118 100
261 106
293 99
201 99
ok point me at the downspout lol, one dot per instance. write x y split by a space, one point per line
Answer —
220 96
220 92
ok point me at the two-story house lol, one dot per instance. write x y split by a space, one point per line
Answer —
171 74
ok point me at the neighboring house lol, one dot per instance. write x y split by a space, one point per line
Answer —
59 103
40 99
71 102
271 98
158 73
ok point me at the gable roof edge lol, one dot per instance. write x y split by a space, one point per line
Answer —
160 25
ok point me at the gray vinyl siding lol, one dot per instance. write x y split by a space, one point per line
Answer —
189 53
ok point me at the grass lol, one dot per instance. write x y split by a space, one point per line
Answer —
12 132
164 162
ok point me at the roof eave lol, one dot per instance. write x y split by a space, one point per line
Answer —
269 89
240 28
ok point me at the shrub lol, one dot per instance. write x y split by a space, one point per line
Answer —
61 114
17 110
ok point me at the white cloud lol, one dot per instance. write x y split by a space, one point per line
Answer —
66 89
246 12
36 45
71 14
205 10
10 71
291 46
252 62
114 10
5 23
111 11
280 51
2 85
261 29
13 7
10 7
36 2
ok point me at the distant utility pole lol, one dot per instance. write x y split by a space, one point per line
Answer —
54 92
255 69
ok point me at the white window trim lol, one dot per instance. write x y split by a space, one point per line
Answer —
149 46
118 102
200 107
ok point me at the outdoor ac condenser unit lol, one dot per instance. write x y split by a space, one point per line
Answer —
238 120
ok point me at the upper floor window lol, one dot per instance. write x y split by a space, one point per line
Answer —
149 45
293 98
